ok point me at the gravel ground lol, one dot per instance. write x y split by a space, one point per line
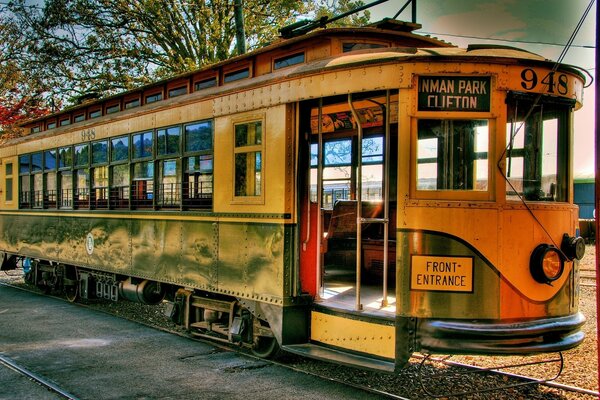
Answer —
580 364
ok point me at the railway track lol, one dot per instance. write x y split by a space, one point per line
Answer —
587 276
331 372
40 380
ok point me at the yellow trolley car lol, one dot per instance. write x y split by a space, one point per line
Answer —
354 194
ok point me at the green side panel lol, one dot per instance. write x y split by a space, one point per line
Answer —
199 253
251 261
483 302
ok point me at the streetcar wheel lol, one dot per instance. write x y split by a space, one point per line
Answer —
71 283
265 344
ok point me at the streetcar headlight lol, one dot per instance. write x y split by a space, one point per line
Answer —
573 246
546 264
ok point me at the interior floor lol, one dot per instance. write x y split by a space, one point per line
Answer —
339 291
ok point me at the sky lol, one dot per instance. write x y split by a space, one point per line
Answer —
539 26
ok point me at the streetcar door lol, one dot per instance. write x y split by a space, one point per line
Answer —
346 208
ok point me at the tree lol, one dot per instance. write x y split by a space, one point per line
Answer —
332 8
20 93
110 45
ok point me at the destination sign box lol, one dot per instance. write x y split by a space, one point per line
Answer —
441 273
454 93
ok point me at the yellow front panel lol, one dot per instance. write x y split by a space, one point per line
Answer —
355 335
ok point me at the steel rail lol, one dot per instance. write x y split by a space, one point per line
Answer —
36 378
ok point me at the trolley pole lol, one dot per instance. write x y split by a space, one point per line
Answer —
597 186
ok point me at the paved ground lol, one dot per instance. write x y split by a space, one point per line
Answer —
97 356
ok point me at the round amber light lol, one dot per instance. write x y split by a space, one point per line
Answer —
552 265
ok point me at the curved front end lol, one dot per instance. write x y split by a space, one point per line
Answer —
489 337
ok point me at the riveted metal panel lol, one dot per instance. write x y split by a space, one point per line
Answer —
199 252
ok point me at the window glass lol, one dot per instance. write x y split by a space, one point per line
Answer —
100 187
38 194
113 109
205 83
178 91
452 155
24 164
82 156
119 149
65 157
197 182
237 75
36 162
119 192
199 136
100 152
169 190
248 159
142 145
50 193
167 140
82 188
132 103
25 193
95 113
346 47
8 169
153 98
50 159
537 149
51 125
65 122
66 189
289 60
79 118
143 184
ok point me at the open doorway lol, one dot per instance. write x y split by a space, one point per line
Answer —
349 199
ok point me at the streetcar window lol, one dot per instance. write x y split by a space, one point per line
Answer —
452 155
65 122
79 118
347 47
113 109
25 191
153 98
132 104
36 162
205 83
537 148
100 152
142 145
199 136
100 187
178 91
142 191
197 181
65 157
50 192
289 60
167 140
38 194
24 164
49 160
95 114
82 188
248 159
36 129
236 75
169 189
119 191
82 155
8 181
51 125
119 149
66 189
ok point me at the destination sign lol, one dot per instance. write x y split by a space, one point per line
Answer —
441 273
454 93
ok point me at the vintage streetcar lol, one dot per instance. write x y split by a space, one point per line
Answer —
351 194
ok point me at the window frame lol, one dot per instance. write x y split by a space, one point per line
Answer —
249 149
